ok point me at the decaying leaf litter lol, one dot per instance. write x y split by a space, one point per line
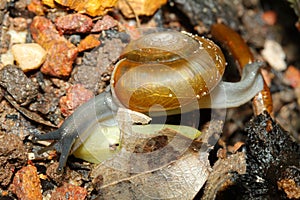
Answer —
86 64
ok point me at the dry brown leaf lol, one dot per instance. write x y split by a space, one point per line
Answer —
140 7
181 179
157 165
90 7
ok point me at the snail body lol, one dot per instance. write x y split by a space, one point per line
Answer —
165 72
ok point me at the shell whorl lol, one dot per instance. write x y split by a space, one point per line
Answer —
170 69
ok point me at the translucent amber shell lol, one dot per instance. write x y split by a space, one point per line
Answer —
166 70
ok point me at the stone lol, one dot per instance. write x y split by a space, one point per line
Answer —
29 56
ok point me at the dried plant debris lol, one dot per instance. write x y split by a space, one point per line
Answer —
90 7
140 7
161 165
181 179
27 113
152 167
223 172
272 164
19 91
295 4
271 155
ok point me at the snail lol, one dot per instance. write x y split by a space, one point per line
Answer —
160 73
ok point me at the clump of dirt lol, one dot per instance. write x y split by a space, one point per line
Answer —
13 155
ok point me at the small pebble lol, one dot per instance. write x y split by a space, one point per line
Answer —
274 55
287 96
60 52
59 62
44 32
69 191
30 156
3 4
107 22
17 84
269 17
74 39
20 24
290 187
12 150
27 184
7 58
89 42
36 7
76 95
17 37
29 56
292 76
74 23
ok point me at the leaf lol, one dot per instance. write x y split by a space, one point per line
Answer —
180 179
158 165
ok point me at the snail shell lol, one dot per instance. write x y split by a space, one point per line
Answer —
170 69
